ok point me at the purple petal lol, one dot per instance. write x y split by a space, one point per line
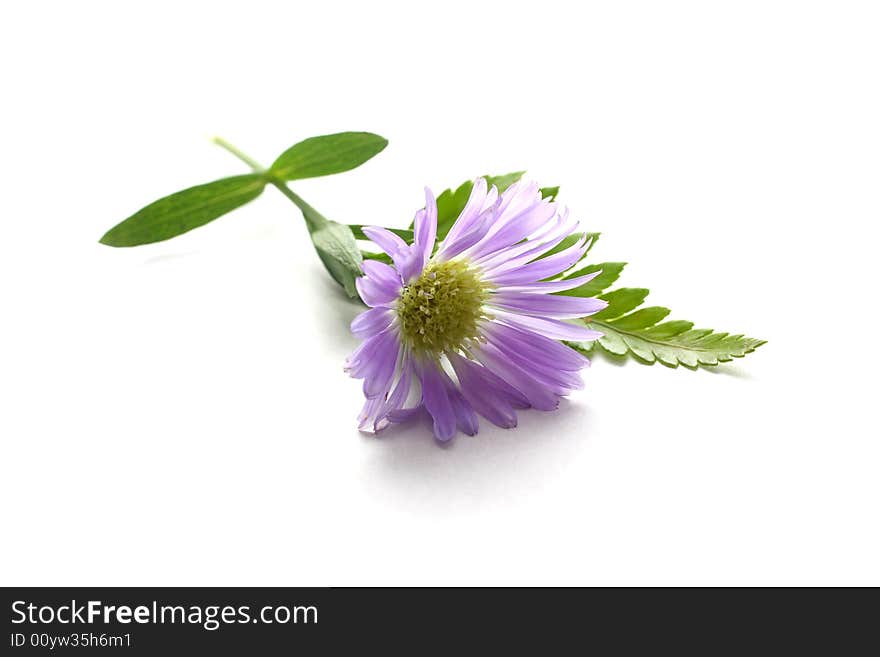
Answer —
551 286
472 210
362 361
478 389
376 364
392 244
468 238
437 401
539 269
425 229
550 328
526 251
516 199
464 413
382 272
400 252
378 381
371 322
398 396
559 381
402 415
380 285
365 419
536 347
547 305
515 230
489 379
538 393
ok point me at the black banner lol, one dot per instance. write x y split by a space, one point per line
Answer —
150 621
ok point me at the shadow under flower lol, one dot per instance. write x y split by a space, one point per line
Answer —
416 473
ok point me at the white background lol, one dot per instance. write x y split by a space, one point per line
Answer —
178 414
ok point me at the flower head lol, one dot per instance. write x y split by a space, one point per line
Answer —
472 326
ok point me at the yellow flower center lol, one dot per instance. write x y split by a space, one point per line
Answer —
439 311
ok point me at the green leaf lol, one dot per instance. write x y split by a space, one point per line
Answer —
181 212
672 343
641 319
339 252
381 257
621 301
504 181
550 192
326 155
610 273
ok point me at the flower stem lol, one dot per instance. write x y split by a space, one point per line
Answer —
314 219
251 162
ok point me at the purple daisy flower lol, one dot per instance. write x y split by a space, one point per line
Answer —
473 327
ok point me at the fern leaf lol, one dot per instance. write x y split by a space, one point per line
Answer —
673 343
